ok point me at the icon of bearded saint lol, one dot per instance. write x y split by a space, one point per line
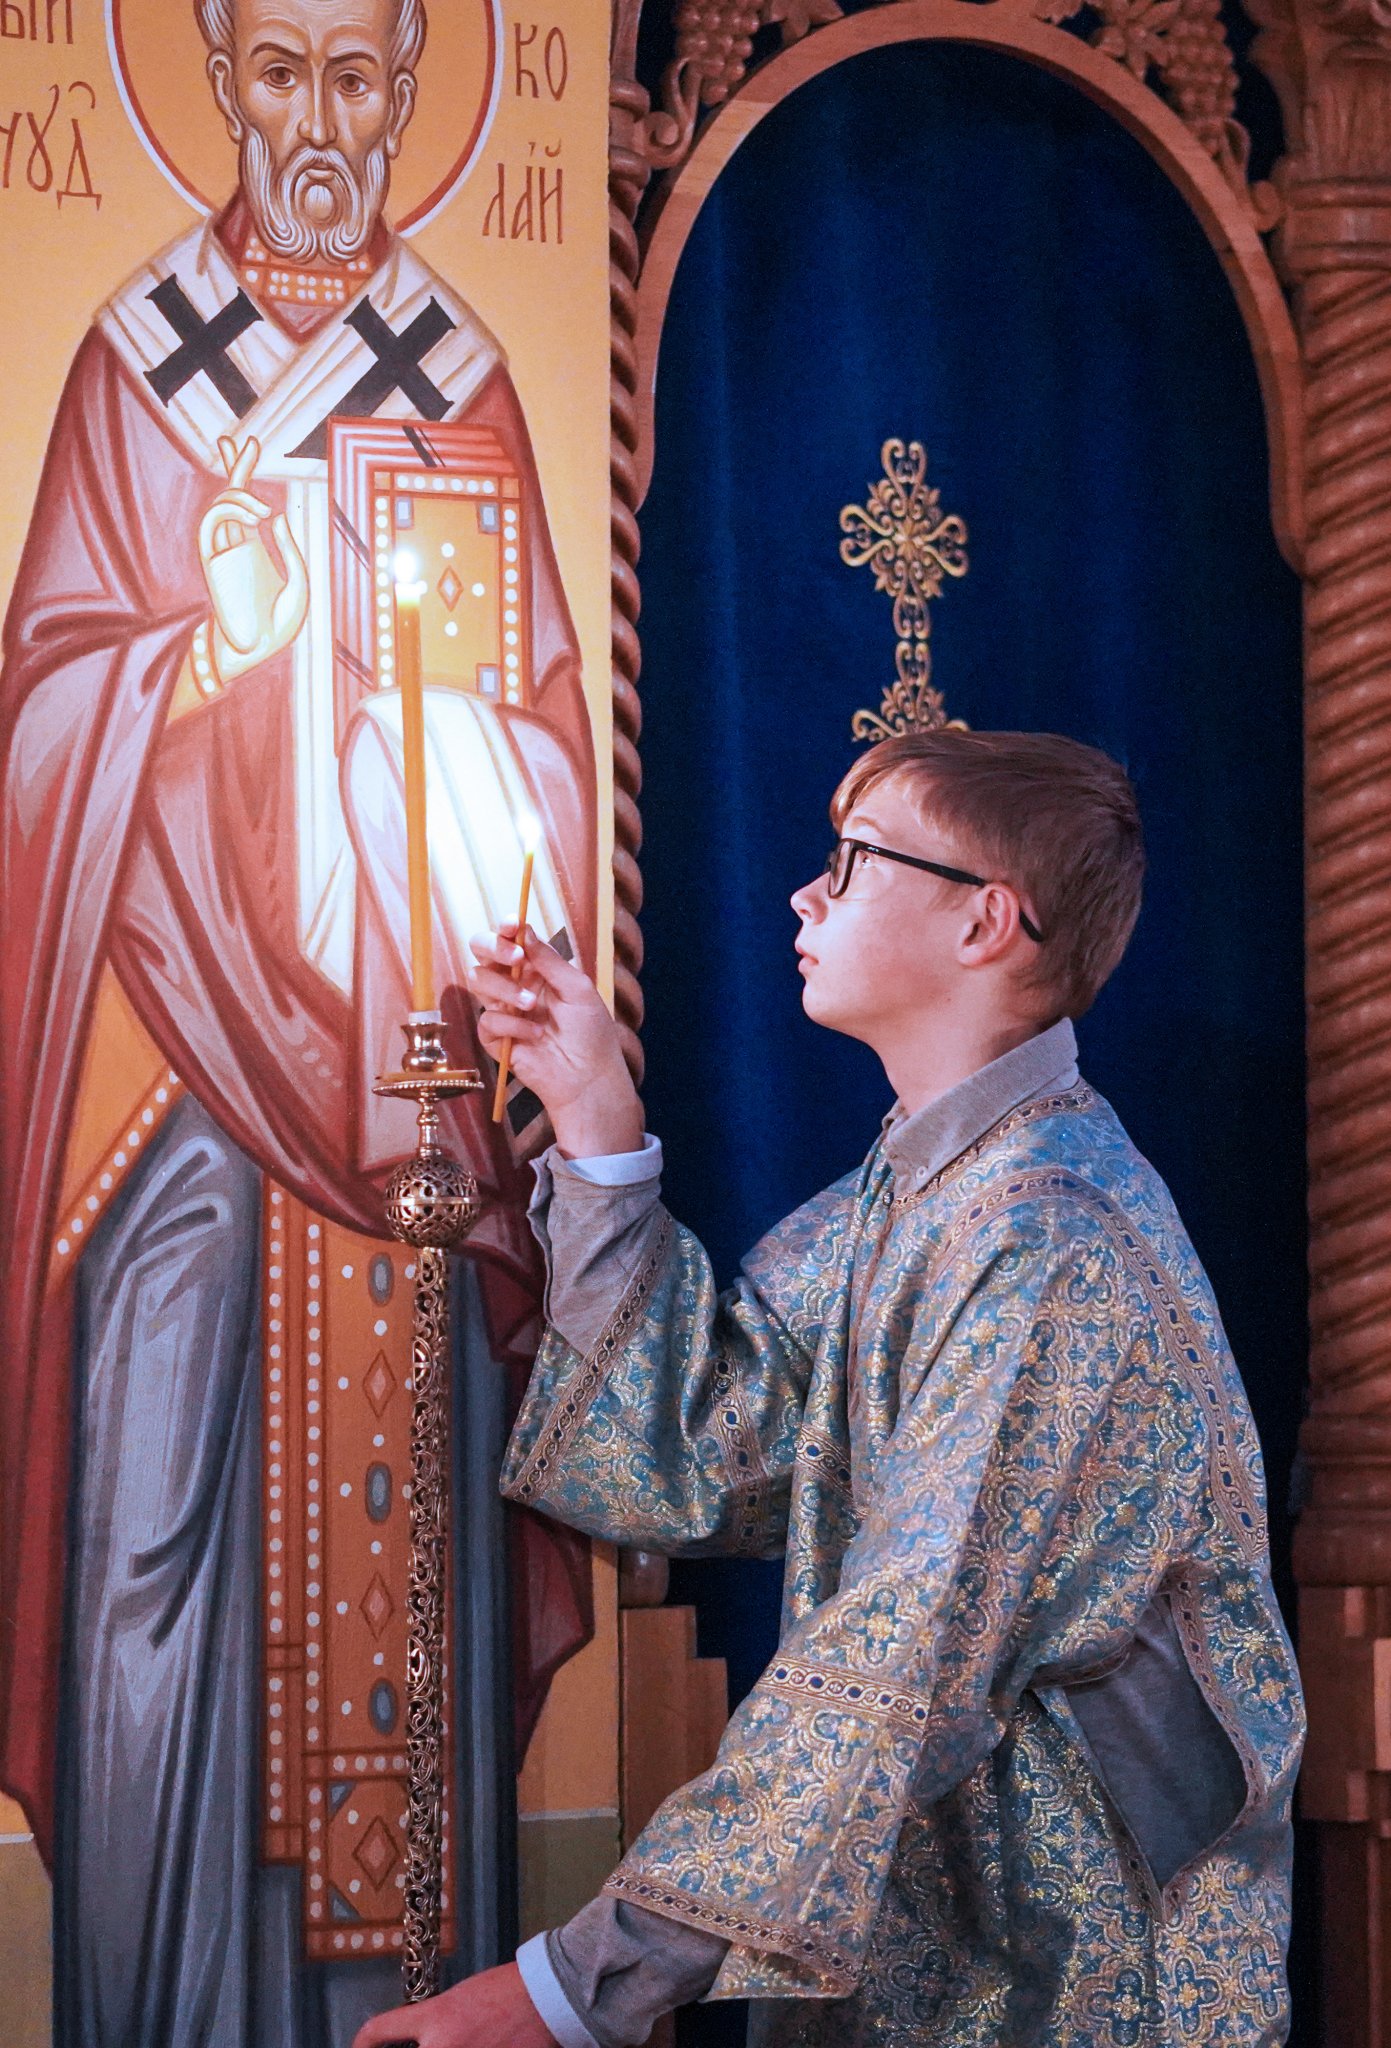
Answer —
203 832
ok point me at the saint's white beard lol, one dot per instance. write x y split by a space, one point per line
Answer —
277 199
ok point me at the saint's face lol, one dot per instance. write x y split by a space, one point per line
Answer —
310 96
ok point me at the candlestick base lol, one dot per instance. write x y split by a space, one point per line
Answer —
431 1199
431 1203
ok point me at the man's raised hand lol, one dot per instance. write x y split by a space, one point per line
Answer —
258 608
565 1045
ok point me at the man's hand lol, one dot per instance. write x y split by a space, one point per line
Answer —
491 2010
256 609
565 1045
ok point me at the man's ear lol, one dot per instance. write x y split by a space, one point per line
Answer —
219 69
402 107
993 930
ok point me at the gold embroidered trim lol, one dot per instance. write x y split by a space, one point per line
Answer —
823 1682
743 1459
1183 1605
746 1929
569 1412
1231 1488
817 1453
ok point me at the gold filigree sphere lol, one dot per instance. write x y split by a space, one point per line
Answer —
910 544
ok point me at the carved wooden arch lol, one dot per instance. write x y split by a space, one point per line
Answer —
1228 213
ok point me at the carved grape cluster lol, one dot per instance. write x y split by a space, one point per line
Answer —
714 43
715 39
1185 43
1201 77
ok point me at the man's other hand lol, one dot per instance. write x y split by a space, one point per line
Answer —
565 1045
491 2010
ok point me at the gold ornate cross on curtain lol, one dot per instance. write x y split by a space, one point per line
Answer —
911 544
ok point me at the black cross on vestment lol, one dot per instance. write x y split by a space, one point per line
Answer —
203 345
397 368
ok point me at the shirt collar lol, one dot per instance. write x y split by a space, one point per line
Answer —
920 1145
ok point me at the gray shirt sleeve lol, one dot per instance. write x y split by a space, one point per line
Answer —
594 1232
621 1967
1160 1751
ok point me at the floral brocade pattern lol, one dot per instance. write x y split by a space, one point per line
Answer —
988 1423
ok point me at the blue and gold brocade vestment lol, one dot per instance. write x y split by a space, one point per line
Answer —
993 1422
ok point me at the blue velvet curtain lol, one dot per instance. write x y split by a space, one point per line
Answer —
947 245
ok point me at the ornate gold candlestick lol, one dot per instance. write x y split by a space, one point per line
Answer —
431 1204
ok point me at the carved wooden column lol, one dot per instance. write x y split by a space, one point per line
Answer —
1331 64
629 171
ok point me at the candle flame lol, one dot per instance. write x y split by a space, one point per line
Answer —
529 830
405 567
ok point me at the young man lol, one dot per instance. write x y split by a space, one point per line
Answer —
1020 1773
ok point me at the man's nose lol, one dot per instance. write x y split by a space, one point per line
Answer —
810 900
316 122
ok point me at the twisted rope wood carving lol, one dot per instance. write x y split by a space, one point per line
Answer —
1346 320
628 175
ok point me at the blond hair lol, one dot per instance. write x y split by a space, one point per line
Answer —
1055 819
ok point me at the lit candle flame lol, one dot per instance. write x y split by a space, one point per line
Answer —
528 830
405 567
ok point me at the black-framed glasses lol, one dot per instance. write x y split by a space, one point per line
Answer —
840 866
